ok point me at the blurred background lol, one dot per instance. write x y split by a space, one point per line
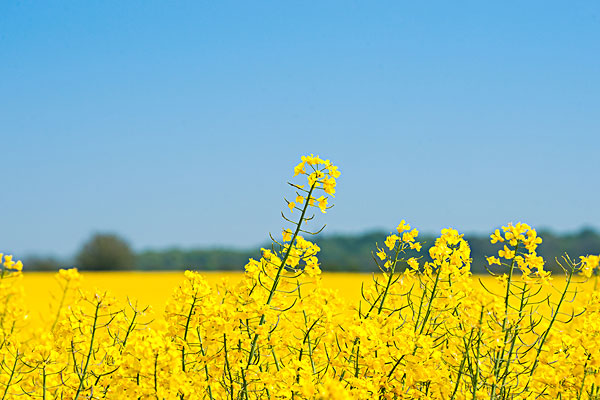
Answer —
160 135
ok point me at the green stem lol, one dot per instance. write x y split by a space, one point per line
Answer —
155 375
430 304
356 360
420 309
185 333
130 329
275 358
545 334
228 367
500 353
205 367
44 382
515 335
462 364
477 355
583 381
307 340
12 374
390 278
87 361
278 275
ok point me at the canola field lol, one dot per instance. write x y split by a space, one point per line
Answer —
421 328
43 289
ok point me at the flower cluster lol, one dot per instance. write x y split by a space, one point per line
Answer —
321 175
520 243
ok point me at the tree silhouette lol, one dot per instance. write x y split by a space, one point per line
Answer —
105 252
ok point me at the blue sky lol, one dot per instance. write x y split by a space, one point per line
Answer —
178 123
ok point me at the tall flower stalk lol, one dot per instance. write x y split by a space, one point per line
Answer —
321 176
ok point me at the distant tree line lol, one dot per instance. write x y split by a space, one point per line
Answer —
339 253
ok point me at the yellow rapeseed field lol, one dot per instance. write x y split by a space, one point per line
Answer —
283 330
42 289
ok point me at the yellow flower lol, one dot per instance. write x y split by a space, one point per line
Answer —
299 199
287 235
413 263
329 185
588 264
266 254
390 241
311 160
415 246
410 236
403 226
511 237
381 254
312 267
532 240
252 267
313 179
8 262
496 237
262 330
322 203
71 274
333 171
291 205
18 266
493 260
506 253
299 169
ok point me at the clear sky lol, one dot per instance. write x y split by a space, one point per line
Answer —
178 123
